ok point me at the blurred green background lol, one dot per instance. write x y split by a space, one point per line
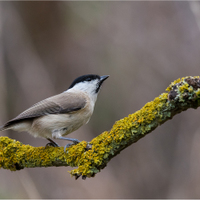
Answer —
143 46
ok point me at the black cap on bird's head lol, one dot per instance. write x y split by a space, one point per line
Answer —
90 78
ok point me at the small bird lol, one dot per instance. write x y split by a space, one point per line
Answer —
59 115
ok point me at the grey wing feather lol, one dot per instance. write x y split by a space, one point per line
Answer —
59 104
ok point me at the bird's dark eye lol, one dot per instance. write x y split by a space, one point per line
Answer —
88 79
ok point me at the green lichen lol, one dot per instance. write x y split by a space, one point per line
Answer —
179 80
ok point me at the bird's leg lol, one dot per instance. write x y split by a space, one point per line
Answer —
75 141
51 143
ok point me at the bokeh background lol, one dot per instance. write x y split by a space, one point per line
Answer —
143 46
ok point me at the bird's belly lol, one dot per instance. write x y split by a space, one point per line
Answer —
54 126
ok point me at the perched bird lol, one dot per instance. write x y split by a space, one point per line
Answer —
59 115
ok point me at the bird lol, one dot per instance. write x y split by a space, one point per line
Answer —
62 114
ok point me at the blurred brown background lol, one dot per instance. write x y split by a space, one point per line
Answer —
143 46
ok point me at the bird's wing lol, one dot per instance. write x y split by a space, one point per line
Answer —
59 104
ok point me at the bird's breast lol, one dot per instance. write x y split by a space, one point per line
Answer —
60 124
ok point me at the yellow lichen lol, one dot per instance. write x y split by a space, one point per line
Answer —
106 145
169 88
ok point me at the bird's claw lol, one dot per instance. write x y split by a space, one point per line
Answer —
51 144
74 142
88 146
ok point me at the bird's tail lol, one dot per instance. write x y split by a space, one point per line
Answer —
3 128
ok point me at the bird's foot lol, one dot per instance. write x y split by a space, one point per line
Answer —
52 143
74 142
88 147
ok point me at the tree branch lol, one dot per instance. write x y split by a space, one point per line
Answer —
182 94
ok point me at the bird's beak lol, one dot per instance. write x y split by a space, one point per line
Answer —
103 78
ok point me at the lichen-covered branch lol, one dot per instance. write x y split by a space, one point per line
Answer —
182 94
